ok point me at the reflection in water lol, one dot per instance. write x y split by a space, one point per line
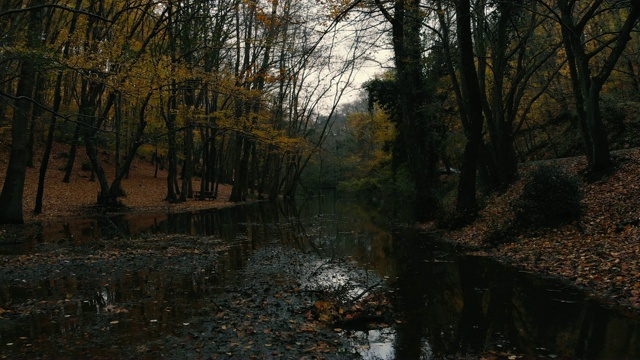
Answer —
471 304
374 344
447 304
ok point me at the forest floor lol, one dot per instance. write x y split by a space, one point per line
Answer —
599 253
145 192
171 297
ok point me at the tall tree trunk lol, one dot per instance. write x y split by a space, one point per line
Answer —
486 166
241 170
172 106
13 188
466 204
205 179
73 150
116 187
291 177
274 182
90 97
587 82
40 86
416 128
572 60
187 186
172 157
118 149
501 139
600 157
57 98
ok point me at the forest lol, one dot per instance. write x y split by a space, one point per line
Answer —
252 93
490 150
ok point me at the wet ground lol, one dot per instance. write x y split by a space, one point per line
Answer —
324 279
180 297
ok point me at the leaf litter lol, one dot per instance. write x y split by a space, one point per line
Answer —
600 253
175 296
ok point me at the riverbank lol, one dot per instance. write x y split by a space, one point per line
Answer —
165 296
168 296
599 253
145 188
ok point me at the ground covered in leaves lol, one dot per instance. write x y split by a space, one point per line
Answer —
599 252
181 297
145 190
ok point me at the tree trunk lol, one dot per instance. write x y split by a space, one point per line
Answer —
274 186
73 150
36 112
57 100
599 152
586 82
416 130
47 149
187 186
466 204
13 188
118 144
90 96
241 171
116 187
172 172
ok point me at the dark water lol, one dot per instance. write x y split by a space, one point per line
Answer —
448 304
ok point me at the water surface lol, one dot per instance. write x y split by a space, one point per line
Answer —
447 303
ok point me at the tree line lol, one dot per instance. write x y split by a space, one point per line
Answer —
234 91
498 74
247 91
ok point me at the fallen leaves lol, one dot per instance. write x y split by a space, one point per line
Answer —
145 192
373 311
600 253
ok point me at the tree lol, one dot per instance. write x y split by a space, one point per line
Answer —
416 127
593 42
13 187
511 48
126 50
368 145
466 203
57 99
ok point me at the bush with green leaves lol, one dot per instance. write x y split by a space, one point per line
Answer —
549 197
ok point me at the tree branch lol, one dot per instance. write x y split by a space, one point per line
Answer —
53 6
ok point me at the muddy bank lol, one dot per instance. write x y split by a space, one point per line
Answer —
175 296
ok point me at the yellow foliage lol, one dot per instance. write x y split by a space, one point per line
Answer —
371 133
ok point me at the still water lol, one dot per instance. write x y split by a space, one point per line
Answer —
448 303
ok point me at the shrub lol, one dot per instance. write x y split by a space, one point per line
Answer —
362 187
549 197
401 187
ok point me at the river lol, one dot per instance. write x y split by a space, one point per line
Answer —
447 303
